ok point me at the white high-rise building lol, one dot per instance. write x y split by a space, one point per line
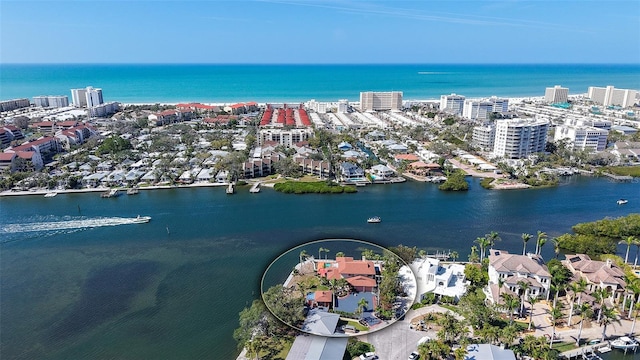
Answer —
556 95
87 97
477 110
587 138
484 136
516 139
611 96
79 97
380 101
94 97
452 103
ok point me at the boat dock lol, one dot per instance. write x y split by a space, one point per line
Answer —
587 349
619 177
231 189
255 188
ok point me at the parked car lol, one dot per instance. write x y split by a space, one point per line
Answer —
369 356
414 356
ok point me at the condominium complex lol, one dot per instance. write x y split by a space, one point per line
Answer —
52 101
587 138
343 106
87 97
516 139
611 96
284 137
556 95
380 101
104 109
482 109
8 105
452 103
484 136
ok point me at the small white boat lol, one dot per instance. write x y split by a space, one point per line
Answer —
622 201
374 220
111 193
50 194
141 219
624 343
132 191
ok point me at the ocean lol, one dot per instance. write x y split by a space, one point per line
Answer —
78 282
206 83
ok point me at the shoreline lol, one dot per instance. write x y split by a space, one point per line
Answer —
10 193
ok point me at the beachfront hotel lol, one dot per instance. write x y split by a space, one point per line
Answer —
556 95
53 101
611 96
86 97
380 101
516 139
452 103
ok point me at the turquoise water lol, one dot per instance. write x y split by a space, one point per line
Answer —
295 83
172 288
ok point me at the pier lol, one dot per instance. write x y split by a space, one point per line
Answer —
619 177
231 189
587 349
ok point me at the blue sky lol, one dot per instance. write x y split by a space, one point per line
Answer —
320 31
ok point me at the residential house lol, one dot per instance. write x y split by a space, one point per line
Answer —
313 167
7 162
598 274
511 269
381 172
350 172
431 277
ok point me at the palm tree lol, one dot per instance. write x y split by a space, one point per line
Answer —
483 243
525 239
473 256
454 255
630 240
524 287
362 305
634 287
510 302
556 246
575 289
608 317
320 250
600 294
585 312
303 255
556 314
635 263
542 239
493 237
532 301
500 285
635 317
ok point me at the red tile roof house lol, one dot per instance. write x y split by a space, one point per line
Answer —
32 160
45 127
7 161
45 146
165 117
321 299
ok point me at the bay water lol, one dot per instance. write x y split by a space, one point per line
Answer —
78 283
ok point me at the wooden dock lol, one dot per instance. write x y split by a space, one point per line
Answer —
587 349
619 177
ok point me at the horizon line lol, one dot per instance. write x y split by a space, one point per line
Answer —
317 64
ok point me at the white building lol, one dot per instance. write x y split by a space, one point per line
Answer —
343 106
477 110
516 139
452 103
8 105
431 277
484 136
87 97
587 138
375 101
511 269
611 96
104 109
556 94
284 137
54 101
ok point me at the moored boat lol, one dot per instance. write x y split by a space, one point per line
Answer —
132 191
111 193
624 343
374 220
622 201
50 194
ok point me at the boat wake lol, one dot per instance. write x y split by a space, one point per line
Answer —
80 223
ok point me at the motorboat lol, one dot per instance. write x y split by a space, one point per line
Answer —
50 194
141 219
622 201
591 356
111 193
132 191
374 220
625 343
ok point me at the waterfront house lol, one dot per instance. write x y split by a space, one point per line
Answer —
431 277
488 352
515 268
350 172
7 161
320 299
598 274
381 172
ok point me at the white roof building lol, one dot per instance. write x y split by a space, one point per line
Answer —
446 280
